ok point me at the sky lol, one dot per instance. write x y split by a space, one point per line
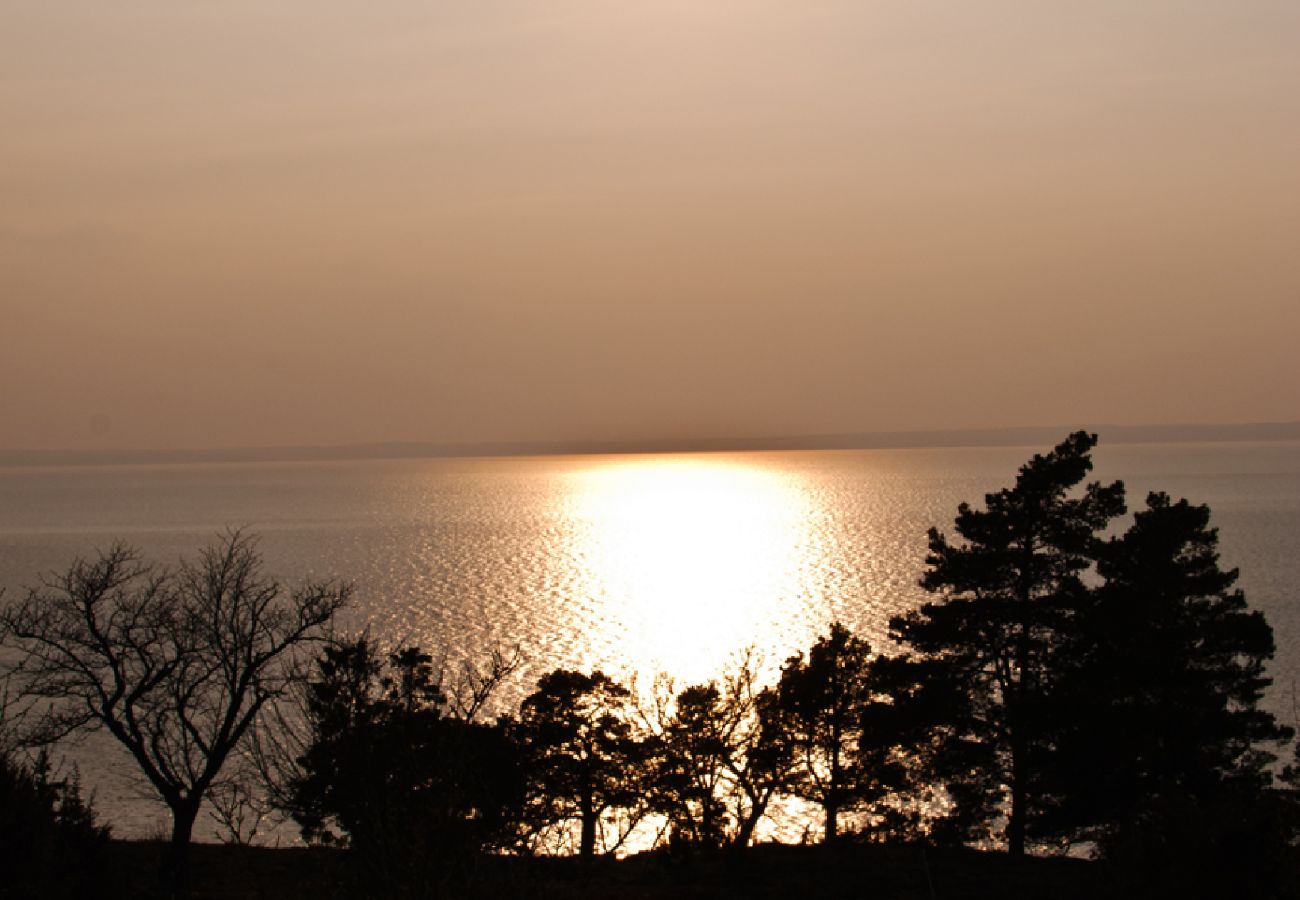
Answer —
277 223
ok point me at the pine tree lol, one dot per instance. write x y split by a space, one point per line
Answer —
1165 727
1010 591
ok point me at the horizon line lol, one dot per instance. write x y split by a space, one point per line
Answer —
1013 436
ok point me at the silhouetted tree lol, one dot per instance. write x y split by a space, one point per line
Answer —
717 756
1164 734
917 731
1011 590
698 756
583 756
898 756
689 766
50 843
330 792
177 665
760 756
396 774
821 701
763 762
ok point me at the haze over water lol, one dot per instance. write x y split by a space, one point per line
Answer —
635 564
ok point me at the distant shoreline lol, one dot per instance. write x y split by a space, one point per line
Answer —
881 440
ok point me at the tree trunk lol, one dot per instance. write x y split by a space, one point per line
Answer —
587 846
1016 818
748 825
709 831
832 821
176 864
1016 719
1016 823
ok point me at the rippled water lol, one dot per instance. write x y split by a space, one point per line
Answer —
637 564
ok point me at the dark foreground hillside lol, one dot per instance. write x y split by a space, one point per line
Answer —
768 871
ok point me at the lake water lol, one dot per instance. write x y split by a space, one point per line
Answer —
635 564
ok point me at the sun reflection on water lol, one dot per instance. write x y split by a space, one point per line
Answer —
694 558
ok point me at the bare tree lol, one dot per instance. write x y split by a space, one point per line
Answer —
722 753
470 685
762 760
176 664
238 807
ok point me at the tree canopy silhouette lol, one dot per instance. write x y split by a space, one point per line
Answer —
583 755
688 767
399 773
1010 590
50 843
1164 689
176 664
1089 688
720 754
821 700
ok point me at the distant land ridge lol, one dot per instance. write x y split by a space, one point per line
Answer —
964 437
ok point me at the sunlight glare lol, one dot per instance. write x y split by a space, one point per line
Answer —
696 558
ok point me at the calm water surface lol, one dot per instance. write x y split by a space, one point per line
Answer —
636 564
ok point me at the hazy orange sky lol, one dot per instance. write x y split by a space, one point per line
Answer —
322 222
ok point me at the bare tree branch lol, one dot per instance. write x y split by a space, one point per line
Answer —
177 665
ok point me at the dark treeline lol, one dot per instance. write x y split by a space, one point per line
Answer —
1073 684
1065 688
